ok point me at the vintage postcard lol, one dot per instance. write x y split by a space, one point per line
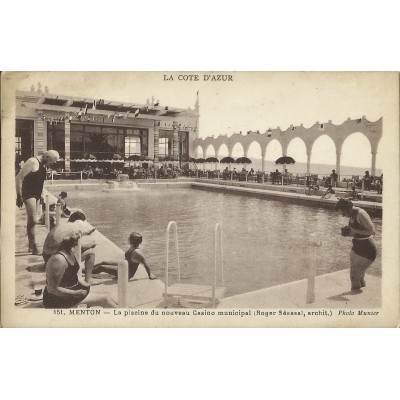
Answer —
200 199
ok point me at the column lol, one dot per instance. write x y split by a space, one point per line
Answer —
38 137
175 140
308 163
67 157
338 163
156 140
373 164
263 160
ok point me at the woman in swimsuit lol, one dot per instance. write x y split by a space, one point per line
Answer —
64 288
363 252
134 256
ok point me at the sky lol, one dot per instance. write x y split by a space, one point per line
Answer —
250 101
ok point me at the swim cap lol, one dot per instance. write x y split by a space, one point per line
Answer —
343 204
53 154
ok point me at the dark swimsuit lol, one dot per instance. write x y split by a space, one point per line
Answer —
132 266
69 281
363 245
32 185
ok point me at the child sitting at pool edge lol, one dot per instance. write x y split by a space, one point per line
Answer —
134 256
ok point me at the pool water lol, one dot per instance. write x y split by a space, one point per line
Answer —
265 242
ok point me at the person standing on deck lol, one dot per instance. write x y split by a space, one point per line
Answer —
334 178
363 252
29 186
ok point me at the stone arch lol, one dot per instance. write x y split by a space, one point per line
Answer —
198 151
237 150
297 149
210 151
273 151
356 153
323 151
223 151
254 150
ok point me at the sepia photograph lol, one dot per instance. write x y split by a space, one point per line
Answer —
200 199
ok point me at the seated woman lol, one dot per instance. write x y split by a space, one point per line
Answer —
64 288
329 194
134 256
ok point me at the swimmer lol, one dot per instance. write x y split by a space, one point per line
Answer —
363 252
134 256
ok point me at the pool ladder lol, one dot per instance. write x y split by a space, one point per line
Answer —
180 293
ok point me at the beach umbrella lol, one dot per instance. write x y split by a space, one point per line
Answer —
200 161
227 160
285 160
243 160
212 160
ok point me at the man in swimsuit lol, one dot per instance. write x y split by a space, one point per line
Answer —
134 256
363 252
64 288
29 185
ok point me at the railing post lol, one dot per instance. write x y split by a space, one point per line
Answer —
81 176
312 269
78 254
47 212
58 214
123 284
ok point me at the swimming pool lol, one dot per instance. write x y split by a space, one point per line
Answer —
265 242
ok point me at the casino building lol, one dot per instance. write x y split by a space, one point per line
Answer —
82 128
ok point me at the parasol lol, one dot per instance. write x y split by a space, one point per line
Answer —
285 160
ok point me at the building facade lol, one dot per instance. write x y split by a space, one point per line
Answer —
83 128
